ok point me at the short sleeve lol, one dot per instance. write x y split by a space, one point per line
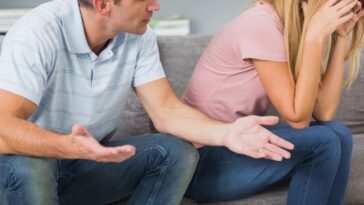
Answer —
261 37
148 66
22 67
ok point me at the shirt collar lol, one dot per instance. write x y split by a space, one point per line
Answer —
72 27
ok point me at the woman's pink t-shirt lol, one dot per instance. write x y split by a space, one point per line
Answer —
225 84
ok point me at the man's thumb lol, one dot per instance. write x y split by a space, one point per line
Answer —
79 130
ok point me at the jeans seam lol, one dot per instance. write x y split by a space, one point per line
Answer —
17 190
307 183
156 186
158 148
160 177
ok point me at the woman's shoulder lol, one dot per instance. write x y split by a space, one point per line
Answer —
259 12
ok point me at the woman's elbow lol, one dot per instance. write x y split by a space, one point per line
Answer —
298 122
298 125
325 117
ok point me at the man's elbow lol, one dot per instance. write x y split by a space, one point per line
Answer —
159 125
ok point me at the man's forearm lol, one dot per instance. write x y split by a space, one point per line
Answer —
18 136
201 129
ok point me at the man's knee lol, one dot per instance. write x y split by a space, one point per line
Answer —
177 152
29 179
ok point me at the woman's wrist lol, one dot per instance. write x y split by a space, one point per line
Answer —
315 37
339 38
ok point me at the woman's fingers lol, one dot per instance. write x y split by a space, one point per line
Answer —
347 7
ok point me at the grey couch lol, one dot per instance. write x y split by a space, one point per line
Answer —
179 56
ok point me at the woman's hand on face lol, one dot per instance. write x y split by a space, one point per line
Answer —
346 28
330 17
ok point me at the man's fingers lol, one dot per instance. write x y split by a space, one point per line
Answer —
78 130
277 151
280 142
272 156
267 120
116 154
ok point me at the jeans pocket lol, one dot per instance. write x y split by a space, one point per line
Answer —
8 178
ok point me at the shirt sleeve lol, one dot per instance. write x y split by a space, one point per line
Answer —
148 66
22 68
261 38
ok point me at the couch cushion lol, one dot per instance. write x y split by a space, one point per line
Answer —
351 107
179 57
355 190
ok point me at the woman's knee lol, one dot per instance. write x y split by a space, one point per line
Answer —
343 132
326 141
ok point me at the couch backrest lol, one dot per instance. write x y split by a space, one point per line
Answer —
179 55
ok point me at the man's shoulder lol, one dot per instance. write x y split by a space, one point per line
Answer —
40 26
44 19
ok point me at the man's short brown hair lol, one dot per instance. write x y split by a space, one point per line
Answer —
88 3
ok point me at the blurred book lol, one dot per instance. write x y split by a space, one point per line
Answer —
9 16
171 26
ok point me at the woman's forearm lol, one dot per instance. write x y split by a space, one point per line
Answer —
331 83
307 83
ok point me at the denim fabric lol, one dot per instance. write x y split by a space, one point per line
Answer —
318 168
158 174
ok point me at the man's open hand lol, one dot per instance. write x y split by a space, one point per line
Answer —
86 147
246 136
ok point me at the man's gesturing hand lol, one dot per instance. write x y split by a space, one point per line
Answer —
246 136
84 146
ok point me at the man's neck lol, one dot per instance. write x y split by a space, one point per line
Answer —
95 30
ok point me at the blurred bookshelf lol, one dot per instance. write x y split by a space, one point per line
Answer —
8 17
177 25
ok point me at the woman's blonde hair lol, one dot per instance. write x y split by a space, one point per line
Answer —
295 27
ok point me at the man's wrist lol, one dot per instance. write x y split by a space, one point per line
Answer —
224 134
67 147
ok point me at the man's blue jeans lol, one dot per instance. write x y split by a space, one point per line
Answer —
158 174
318 168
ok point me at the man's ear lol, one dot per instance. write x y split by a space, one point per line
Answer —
102 6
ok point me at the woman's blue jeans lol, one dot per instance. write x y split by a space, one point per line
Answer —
158 174
318 168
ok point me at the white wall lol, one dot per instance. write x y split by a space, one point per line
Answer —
207 16
4 4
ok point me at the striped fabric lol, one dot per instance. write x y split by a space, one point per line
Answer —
46 59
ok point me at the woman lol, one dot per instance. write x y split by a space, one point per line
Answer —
275 51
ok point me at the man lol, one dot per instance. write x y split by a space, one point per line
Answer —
72 62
